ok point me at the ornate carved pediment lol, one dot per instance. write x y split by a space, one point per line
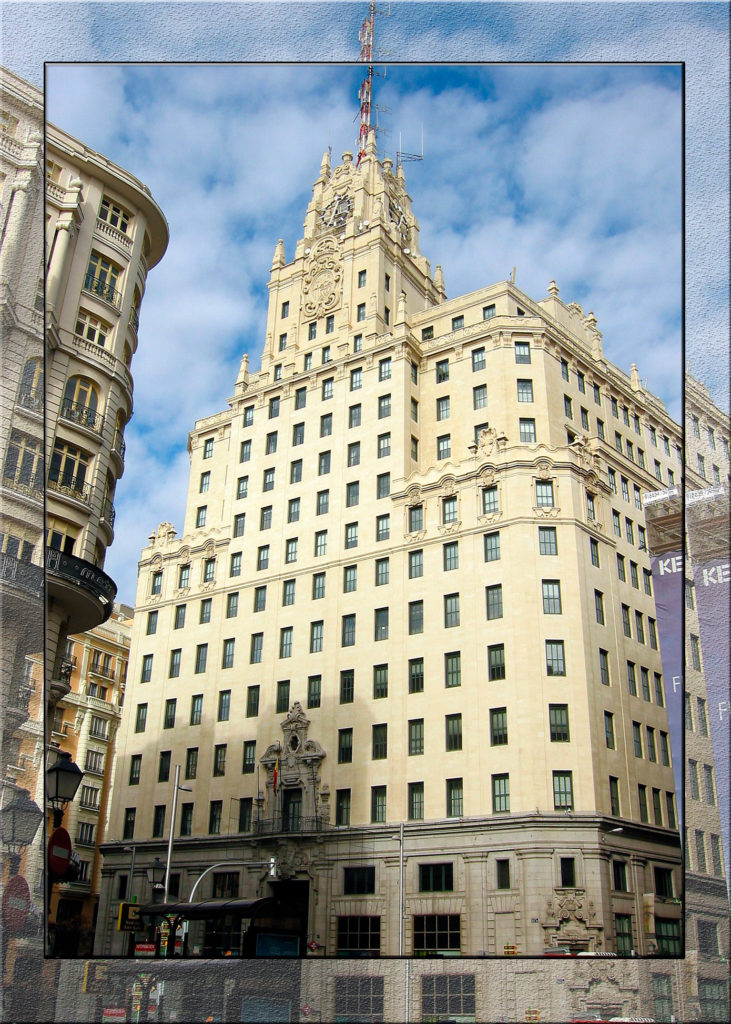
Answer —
413 496
184 554
543 469
448 486
299 756
322 284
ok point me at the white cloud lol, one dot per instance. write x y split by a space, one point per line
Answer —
570 177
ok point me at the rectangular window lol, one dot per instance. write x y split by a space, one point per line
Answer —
383 527
314 691
345 746
416 801
201 657
174 670
451 610
135 767
219 760
354 415
490 500
555 659
527 430
316 636
604 667
348 631
295 471
141 718
443 408
323 464
191 762
594 552
626 626
416 736
342 810
322 505
321 542
455 798
558 720
257 644
381 624
379 742
416 564
146 672
416 675
416 617
551 590
609 730
453 668
285 642
563 791
479 397
350 579
248 764
544 494
450 556
444 446
494 601
384 407
383 485
378 804
347 686
631 679
498 727
614 807
170 707
196 708
496 661
352 494
453 732
288 591
500 793
522 352
318 586
252 701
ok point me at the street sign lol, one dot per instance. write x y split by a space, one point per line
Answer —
128 919
313 945
16 903
144 948
59 852
95 976
113 1014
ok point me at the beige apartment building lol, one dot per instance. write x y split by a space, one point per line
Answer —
85 723
66 400
469 759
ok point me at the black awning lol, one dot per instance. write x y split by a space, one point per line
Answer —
210 908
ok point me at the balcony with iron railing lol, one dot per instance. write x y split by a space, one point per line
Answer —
71 487
22 575
291 823
77 412
86 592
104 290
119 447
134 319
108 514
24 480
31 399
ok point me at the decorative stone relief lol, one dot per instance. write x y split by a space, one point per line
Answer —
184 555
544 470
322 283
413 496
300 761
449 486
487 475
156 561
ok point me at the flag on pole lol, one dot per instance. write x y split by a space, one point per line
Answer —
276 773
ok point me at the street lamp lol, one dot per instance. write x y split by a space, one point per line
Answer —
63 779
155 875
18 826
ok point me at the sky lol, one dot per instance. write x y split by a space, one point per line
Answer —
567 172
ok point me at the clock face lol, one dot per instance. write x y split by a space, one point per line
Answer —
337 212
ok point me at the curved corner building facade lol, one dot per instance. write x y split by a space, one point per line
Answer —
405 648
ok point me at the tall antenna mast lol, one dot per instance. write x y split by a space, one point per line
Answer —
365 93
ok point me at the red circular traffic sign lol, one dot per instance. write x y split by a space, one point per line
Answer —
59 852
16 903
313 945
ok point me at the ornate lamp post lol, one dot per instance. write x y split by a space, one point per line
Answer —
155 876
18 826
63 779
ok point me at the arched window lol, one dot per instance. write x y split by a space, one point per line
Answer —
30 393
80 402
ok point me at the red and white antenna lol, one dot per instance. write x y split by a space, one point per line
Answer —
365 93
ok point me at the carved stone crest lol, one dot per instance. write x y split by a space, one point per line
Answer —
322 285
413 496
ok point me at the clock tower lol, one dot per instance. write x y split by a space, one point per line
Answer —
356 269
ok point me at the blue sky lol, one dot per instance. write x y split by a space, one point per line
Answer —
566 172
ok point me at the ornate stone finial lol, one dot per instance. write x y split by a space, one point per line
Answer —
243 377
591 321
278 261
553 289
347 158
371 143
401 308
439 278
325 165
388 165
400 173
635 378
